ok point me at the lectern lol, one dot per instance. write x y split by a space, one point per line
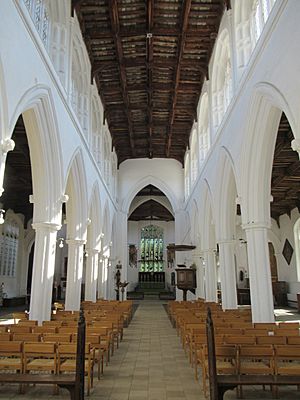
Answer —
186 280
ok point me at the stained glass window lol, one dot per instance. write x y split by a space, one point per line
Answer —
152 249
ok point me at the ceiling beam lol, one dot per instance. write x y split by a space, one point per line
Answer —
114 19
186 8
149 38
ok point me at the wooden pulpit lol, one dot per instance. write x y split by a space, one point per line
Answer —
186 280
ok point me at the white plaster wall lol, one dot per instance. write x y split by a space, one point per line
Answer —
166 174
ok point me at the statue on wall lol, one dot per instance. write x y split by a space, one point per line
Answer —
132 256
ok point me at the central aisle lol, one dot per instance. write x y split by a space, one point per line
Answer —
150 362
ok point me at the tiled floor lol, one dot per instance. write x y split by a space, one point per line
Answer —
149 364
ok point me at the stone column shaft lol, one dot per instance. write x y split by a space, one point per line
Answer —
259 273
210 275
228 274
43 271
74 274
91 275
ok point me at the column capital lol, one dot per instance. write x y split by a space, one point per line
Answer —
226 241
46 225
257 225
7 145
75 242
92 251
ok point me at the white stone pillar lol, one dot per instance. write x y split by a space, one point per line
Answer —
74 274
198 259
43 270
100 272
210 275
6 145
91 275
259 272
228 274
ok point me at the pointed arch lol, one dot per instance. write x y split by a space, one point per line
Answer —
3 104
227 195
106 227
76 189
208 219
94 214
265 111
149 180
37 108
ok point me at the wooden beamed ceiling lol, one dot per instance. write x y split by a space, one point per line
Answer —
285 186
151 210
149 59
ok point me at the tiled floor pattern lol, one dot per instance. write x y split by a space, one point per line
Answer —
149 365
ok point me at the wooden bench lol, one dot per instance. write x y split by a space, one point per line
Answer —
73 383
219 384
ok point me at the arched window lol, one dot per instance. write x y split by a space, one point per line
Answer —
203 129
80 82
106 157
221 79
96 130
152 249
187 175
242 19
194 155
260 12
9 244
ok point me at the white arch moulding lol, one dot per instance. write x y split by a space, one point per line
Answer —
149 180
227 193
37 108
77 206
266 108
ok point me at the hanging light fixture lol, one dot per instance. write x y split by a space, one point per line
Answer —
61 243
2 212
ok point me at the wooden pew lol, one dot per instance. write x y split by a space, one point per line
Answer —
73 383
219 384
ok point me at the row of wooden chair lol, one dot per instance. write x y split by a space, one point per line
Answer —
253 360
53 358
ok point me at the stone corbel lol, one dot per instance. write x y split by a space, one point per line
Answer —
7 145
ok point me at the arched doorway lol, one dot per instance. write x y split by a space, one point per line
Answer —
151 228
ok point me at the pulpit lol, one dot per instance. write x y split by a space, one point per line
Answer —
186 280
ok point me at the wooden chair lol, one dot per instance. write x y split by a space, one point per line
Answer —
19 315
105 342
95 342
5 337
27 322
241 339
57 337
11 356
44 329
293 340
255 360
289 325
4 328
69 330
287 332
67 361
40 357
287 361
26 337
19 329
263 340
226 362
